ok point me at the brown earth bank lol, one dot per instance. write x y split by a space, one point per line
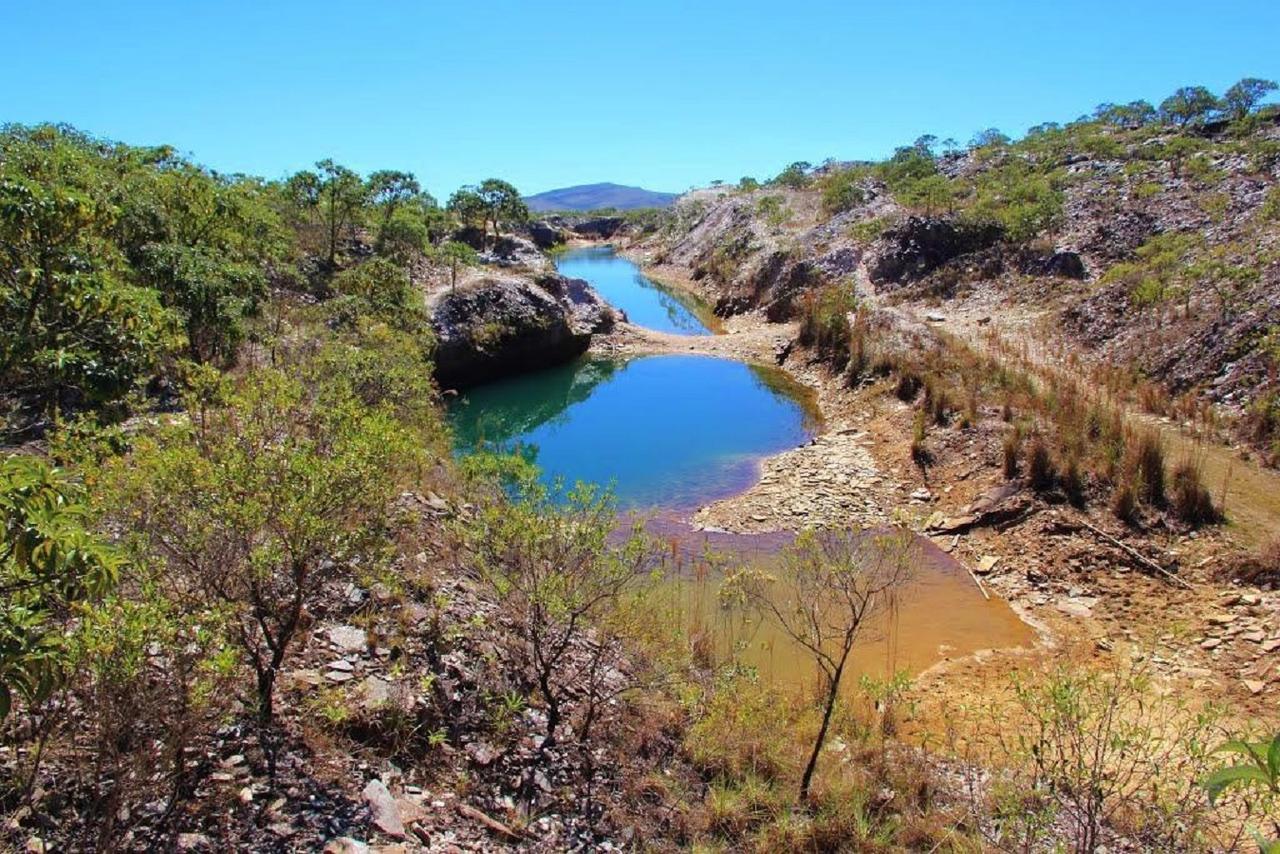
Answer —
1069 572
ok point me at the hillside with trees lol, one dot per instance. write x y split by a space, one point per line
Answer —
253 601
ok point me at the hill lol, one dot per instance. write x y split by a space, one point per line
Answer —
590 197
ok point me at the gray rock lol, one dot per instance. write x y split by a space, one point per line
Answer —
502 326
348 638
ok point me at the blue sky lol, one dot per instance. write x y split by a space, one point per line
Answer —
665 94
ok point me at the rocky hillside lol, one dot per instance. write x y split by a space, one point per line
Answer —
1154 247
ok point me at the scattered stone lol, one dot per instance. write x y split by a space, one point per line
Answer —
1221 619
348 639
374 693
481 752
194 842
986 563
345 845
383 809
1210 643
1074 608
1255 686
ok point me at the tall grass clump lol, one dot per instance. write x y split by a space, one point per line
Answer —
1148 466
824 323
1190 499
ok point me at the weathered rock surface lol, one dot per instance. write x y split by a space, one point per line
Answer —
501 326
921 245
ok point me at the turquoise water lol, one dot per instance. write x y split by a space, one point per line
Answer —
663 431
621 283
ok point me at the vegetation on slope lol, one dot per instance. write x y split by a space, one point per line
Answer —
250 600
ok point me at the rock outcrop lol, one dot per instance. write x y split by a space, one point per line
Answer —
921 245
500 326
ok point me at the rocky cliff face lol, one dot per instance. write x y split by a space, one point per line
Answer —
1175 235
503 325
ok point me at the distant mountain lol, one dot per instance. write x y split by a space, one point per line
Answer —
590 197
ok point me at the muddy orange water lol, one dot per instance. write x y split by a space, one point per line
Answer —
940 612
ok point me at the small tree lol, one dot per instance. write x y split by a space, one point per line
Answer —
457 254
502 203
829 587
333 193
1188 105
552 566
989 138
1244 97
795 176
260 499
468 208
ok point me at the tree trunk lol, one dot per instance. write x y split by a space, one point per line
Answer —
833 691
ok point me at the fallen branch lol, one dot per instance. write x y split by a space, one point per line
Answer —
468 811
1142 559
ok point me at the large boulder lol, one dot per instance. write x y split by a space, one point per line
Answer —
514 251
497 327
598 228
546 234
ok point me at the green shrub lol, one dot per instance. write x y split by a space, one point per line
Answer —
50 562
841 191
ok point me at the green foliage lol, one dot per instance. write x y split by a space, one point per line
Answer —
773 209
989 138
1189 105
383 291
1244 96
493 201
1159 272
1132 115
795 177
1018 197
333 197
456 255
76 328
1105 747
50 563
841 191
747 184
824 322
548 558
269 491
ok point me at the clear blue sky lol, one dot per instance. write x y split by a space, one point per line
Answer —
665 94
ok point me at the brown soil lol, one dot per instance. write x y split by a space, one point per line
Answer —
1205 638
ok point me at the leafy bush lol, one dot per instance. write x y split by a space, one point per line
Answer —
269 492
383 291
50 562
841 191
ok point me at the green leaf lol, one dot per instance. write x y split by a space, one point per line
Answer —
1223 779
